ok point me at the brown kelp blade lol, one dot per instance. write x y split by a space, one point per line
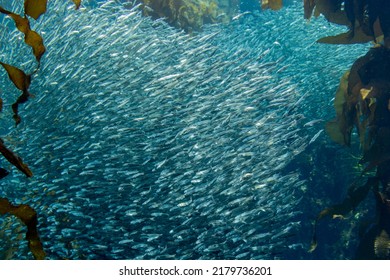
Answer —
34 40
308 6
332 11
379 152
347 38
332 128
14 159
271 4
77 3
29 217
353 199
35 8
15 107
22 82
339 129
20 79
31 38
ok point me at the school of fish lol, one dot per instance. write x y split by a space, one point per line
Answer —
149 143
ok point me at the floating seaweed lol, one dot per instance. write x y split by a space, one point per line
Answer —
31 38
77 3
367 20
22 81
365 106
362 102
219 69
29 217
35 8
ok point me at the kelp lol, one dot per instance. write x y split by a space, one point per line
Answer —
22 81
24 212
77 3
271 4
35 8
189 15
367 19
356 194
358 37
330 9
29 217
308 7
338 129
31 38
375 243
14 159
363 102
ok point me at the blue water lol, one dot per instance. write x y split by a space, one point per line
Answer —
249 5
147 143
